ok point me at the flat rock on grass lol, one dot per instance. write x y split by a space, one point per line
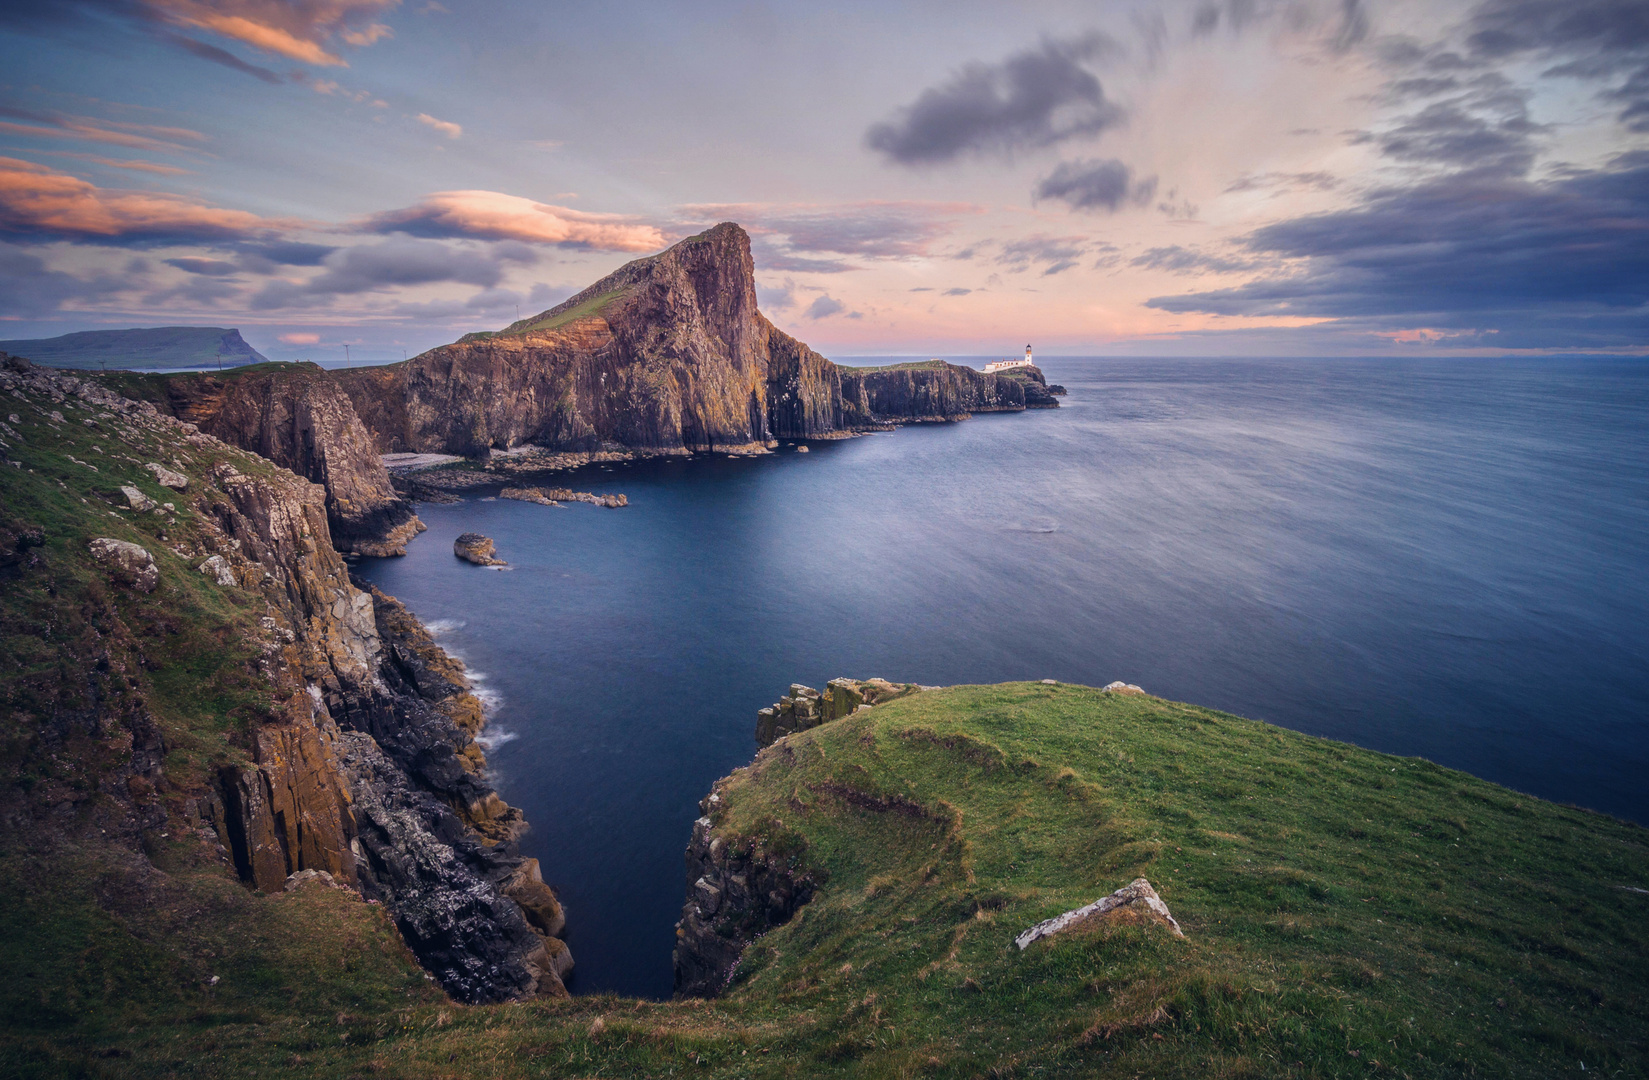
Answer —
1135 900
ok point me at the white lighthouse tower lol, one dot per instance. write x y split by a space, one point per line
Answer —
1028 355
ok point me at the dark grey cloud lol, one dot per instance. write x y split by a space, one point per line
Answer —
1561 263
1605 40
1485 129
1182 260
1051 254
1096 185
29 290
393 264
824 307
204 267
220 56
267 257
957 292
1033 99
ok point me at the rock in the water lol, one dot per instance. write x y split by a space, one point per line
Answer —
136 499
552 496
477 549
167 478
130 564
1135 901
801 450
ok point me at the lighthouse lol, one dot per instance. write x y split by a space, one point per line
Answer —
1027 354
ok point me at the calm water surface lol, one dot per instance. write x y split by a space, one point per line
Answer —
1439 558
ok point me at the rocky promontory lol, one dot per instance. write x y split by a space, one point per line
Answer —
211 688
475 548
666 355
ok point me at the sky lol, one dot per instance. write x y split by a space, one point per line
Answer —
1209 177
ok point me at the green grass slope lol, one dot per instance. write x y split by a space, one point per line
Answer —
1347 914
154 347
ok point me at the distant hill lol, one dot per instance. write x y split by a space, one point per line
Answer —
156 347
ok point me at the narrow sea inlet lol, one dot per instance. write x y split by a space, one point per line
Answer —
1437 558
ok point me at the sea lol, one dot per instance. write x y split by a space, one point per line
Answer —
1446 558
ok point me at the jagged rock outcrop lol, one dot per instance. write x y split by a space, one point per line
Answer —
803 707
737 889
557 496
299 417
128 564
1039 394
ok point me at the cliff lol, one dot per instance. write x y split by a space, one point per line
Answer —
297 416
209 685
668 354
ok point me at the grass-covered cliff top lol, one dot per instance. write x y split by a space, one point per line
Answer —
1346 914
908 365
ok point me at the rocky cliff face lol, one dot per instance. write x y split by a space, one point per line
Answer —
344 734
737 889
301 419
931 391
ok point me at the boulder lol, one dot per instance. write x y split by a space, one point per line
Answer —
1120 687
129 564
167 478
218 569
1134 902
475 548
136 499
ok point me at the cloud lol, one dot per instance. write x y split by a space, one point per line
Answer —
1595 39
268 256
394 263
823 307
1033 99
1283 182
1485 129
294 29
299 339
1096 185
220 56
1561 263
1054 254
116 163
776 297
445 127
52 125
874 229
957 292
1180 260
28 288
41 203
492 215
206 267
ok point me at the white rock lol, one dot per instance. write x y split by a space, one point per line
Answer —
1136 893
136 499
218 569
131 564
167 478
1120 687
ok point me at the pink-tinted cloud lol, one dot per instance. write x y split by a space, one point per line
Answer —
37 201
116 163
301 339
113 132
445 127
492 215
296 29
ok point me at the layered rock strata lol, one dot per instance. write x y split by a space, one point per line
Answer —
475 548
803 707
297 416
737 889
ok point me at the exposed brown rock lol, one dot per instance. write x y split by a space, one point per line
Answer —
475 548
804 707
554 496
